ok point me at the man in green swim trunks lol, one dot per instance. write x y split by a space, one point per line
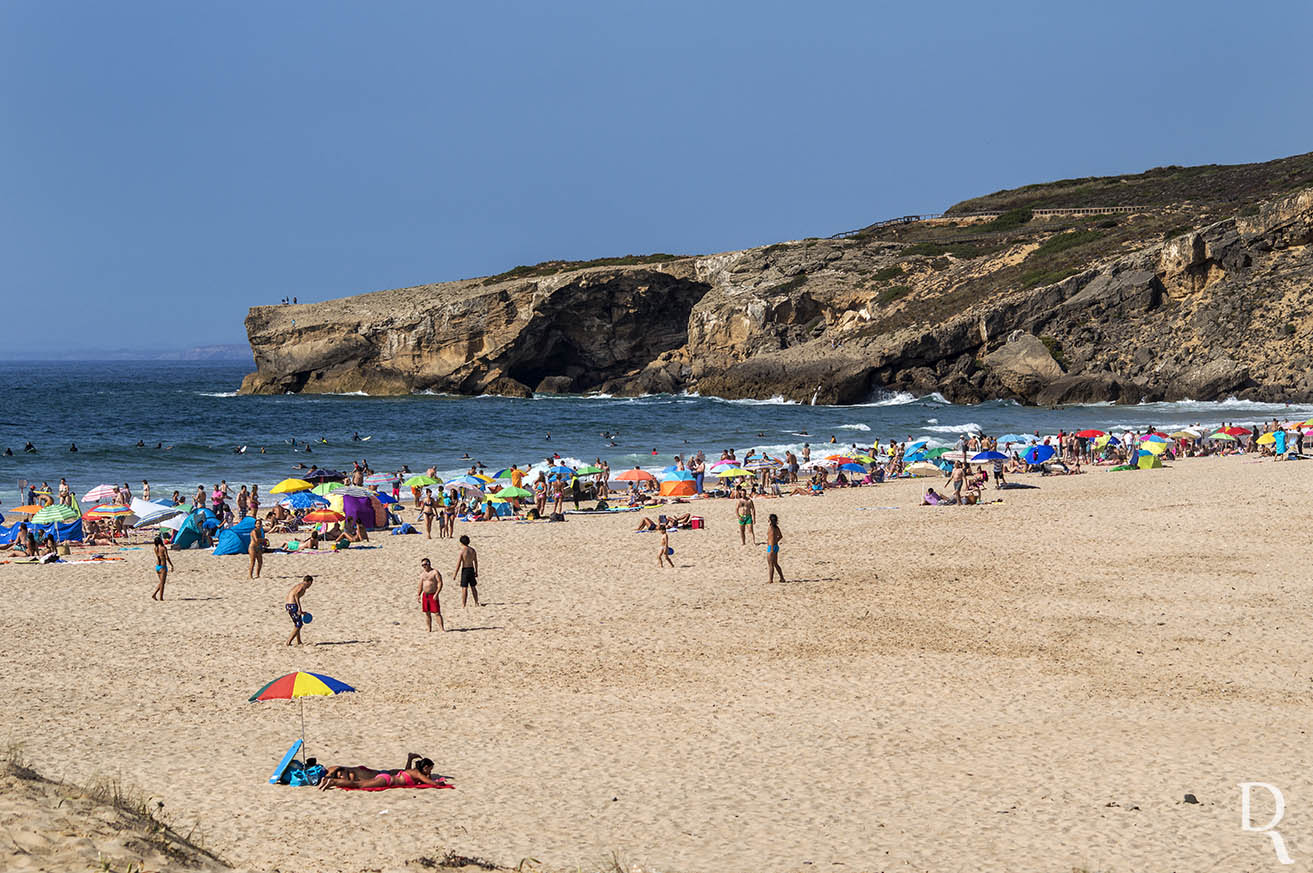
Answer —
745 511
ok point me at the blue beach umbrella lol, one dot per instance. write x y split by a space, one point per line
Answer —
676 476
1154 438
467 482
852 468
1014 438
914 457
302 500
913 446
1038 454
384 498
978 457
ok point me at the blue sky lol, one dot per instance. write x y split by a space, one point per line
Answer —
163 166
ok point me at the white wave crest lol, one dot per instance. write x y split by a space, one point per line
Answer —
969 427
854 427
217 393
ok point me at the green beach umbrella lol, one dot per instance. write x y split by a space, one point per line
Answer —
421 481
512 492
938 453
588 471
55 512
325 488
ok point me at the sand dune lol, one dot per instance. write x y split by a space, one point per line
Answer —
1032 685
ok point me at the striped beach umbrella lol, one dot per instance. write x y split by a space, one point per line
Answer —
298 686
105 510
325 515
57 513
380 479
101 492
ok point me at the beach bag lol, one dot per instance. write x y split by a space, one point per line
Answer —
406 528
311 775
556 516
601 506
532 515
696 523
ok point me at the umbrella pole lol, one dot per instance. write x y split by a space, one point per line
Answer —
303 754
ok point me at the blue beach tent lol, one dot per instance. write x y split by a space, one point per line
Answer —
235 540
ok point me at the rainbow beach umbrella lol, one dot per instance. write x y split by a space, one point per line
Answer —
298 686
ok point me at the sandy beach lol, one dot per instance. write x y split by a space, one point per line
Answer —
1029 685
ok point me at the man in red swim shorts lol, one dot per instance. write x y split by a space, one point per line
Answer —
430 583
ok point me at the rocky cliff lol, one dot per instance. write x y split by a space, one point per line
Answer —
1193 299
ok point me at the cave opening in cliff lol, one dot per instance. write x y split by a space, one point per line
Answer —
612 329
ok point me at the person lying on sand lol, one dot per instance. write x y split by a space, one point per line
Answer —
421 773
646 523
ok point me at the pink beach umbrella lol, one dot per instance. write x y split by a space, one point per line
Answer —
101 492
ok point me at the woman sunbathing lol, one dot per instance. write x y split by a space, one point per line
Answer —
416 772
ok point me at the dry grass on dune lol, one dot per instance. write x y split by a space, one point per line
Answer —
58 826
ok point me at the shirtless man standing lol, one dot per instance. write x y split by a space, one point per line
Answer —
745 510
957 480
467 570
293 607
430 586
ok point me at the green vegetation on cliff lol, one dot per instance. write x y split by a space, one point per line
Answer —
1217 184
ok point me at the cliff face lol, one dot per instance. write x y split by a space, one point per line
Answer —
1180 301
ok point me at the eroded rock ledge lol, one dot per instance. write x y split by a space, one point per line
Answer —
1217 310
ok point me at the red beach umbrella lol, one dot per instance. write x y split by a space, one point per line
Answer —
1090 434
635 475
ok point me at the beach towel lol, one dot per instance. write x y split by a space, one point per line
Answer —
404 529
440 784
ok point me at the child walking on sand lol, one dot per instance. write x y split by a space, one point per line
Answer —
163 563
467 570
665 550
430 586
773 537
293 607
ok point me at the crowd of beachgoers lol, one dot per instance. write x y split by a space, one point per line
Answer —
310 503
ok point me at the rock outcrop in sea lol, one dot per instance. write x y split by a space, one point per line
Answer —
1199 298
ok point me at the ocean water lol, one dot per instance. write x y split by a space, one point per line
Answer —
193 410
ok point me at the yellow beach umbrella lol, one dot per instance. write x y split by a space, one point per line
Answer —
1268 438
1184 435
290 486
1153 448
